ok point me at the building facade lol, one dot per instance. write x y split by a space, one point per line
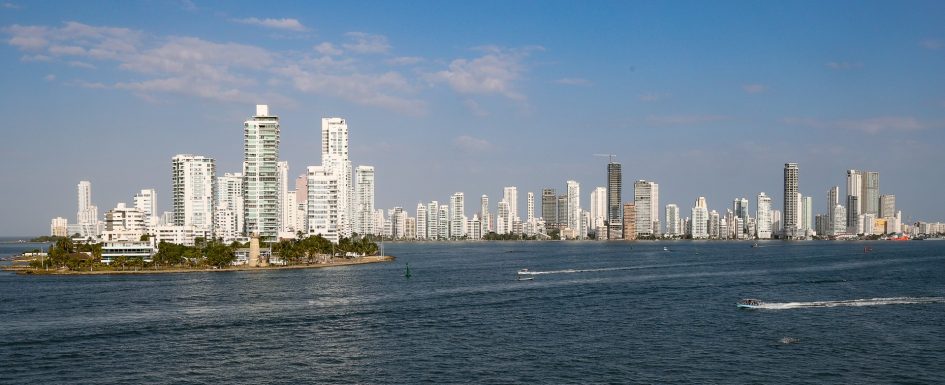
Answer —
260 174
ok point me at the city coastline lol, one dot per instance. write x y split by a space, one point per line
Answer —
25 270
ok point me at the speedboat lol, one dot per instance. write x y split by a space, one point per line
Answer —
524 275
665 248
750 303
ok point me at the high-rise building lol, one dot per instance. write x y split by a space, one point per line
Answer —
599 214
646 205
791 212
562 211
510 194
574 207
549 207
421 221
433 223
228 207
443 221
672 220
887 206
301 202
530 207
854 189
87 215
282 173
763 217
193 179
853 213
740 210
714 225
335 161
614 198
324 214
502 223
364 202
833 199
807 213
700 220
59 227
629 222
146 203
485 217
840 223
457 216
870 203
260 173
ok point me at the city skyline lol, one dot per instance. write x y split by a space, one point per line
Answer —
487 107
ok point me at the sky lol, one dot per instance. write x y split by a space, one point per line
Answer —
705 98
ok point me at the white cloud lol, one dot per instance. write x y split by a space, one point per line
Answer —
283 24
81 64
671 120
843 65
9 5
404 60
469 144
495 72
932 44
474 106
50 77
327 48
380 90
574 81
754 88
876 125
366 43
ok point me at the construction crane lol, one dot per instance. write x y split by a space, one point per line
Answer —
611 156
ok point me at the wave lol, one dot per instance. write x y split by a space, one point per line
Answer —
854 302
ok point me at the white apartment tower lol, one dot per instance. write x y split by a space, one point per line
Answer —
193 183
260 173
672 220
324 212
510 194
485 218
646 200
421 221
87 215
146 203
763 215
228 207
574 207
598 208
285 210
457 215
502 223
433 226
364 202
335 161
700 219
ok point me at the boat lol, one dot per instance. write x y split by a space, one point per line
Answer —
524 275
750 303
665 248
754 244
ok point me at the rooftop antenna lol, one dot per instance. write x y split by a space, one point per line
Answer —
611 156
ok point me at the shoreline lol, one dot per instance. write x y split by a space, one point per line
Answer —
345 262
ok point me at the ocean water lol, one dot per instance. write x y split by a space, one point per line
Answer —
595 313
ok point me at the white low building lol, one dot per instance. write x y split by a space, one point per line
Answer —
128 249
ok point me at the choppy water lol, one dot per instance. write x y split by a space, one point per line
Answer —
594 313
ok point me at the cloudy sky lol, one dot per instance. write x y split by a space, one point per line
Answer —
705 98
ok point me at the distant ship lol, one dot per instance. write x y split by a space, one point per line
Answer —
749 303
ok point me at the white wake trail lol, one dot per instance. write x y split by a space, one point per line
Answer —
854 302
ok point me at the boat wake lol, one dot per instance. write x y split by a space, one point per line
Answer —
853 302
571 271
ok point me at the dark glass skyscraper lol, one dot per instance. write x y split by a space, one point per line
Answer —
549 207
614 207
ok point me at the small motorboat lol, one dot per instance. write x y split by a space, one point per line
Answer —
524 275
750 303
753 245
665 248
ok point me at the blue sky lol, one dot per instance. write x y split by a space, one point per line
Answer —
706 98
